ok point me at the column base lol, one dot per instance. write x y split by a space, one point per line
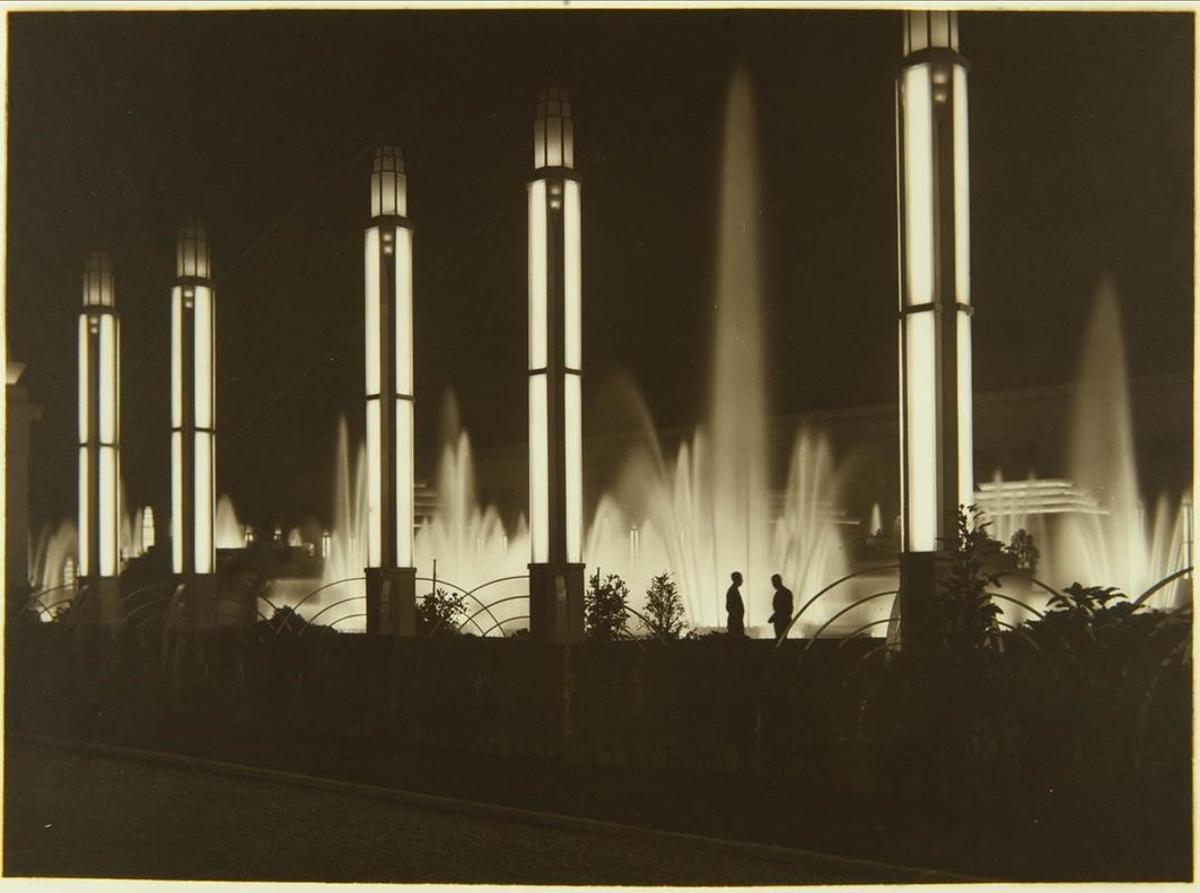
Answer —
556 602
99 603
920 577
392 601
199 608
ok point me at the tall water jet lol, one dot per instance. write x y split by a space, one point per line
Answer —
737 414
1120 547
229 531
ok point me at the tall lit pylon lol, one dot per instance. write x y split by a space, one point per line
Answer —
936 452
99 440
193 415
555 370
391 577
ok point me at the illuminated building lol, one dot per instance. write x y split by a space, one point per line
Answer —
193 414
391 577
935 298
99 441
555 368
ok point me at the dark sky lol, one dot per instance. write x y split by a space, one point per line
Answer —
264 123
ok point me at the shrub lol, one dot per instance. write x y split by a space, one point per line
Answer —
664 607
440 613
964 614
604 607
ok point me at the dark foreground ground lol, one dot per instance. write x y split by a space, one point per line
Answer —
78 814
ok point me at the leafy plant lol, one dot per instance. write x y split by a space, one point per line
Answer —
664 607
285 620
605 607
440 613
964 614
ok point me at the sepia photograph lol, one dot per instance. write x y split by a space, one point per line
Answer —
569 444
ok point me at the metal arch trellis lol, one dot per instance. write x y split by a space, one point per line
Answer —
488 608
346 617
837 582
470 593
322 588
850 607
500 623
1165 581
329 607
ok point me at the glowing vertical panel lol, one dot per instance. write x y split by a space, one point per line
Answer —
106 386
404 483
966 434
571 276
202 352
404 310
84 359
537 275
177 525
85 531
573 446
374 486
921 429
202 495
372 311
554 141
539 469
106 516
176 357
962 191
918 185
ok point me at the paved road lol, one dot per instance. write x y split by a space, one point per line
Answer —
86 815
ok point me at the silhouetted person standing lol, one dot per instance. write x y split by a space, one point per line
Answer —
782 604
734 606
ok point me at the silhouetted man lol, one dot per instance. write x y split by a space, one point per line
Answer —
782 604
734 606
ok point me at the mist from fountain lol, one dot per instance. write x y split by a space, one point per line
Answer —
1121 545
229 533
55 544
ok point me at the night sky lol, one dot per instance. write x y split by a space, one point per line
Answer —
263 124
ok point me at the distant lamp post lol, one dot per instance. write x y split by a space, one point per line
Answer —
326 539
936 453
193 422
391 576
99 441
555 369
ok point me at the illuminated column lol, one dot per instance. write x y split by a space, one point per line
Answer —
936 454
99 441
391 577
555 368
193 420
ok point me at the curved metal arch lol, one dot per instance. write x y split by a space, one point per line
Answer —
1009 598
858 631
500 623
645 622
258 596
1020 632
1034 580
147 588
322 588
498 580
469 593
487 607
345 617
849 607
837 582
1165 581
40 592
331 605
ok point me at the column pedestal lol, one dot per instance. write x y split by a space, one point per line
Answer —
920 577
556 602
392 601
